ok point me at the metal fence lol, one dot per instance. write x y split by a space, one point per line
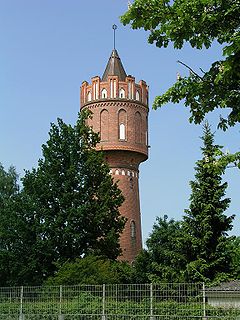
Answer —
123 301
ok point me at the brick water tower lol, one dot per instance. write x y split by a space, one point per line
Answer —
119 109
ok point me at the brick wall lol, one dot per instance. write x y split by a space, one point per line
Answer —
120 115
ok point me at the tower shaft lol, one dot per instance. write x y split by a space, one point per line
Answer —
124 169
120 114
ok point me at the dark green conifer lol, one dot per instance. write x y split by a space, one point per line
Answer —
205 223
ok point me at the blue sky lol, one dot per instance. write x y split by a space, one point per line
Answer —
48 48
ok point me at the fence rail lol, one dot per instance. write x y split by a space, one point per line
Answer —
120 301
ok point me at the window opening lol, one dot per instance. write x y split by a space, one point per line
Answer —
133 229
122 93
104 93
89 96
122 133
137 96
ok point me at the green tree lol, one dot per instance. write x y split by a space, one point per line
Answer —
163 261
235 257
16 234
141 269
68 208
200 23
91 270
8 191
205 223
8 184
76 202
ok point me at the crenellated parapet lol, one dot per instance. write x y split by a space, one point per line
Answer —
114 89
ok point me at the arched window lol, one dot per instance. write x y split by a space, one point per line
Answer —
89 96
137 96
138 127
122 93
133 229
104 125
122 124
104 93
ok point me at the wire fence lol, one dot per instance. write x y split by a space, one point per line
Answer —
120 301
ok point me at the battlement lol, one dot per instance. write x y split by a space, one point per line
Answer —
113 89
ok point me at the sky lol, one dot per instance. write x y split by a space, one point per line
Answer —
49 47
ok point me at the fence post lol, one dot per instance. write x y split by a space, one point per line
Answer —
151 302
60 316
103 302
21 315
204 302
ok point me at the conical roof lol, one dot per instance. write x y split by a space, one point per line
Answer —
114 67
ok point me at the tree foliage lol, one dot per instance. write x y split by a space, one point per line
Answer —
76 198
235 257
68 207
91 270
142 269
17 235
8 184
198 247
8 192
205 223
165 248
163 260
200 23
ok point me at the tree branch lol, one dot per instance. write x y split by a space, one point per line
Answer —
185 65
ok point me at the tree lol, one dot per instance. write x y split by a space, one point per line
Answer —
91 270
8 184
205 223
68 207
16 234
197 248
8 191
76 199
199 23
164 260
235 257
141 269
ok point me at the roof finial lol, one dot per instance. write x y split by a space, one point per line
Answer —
114 38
